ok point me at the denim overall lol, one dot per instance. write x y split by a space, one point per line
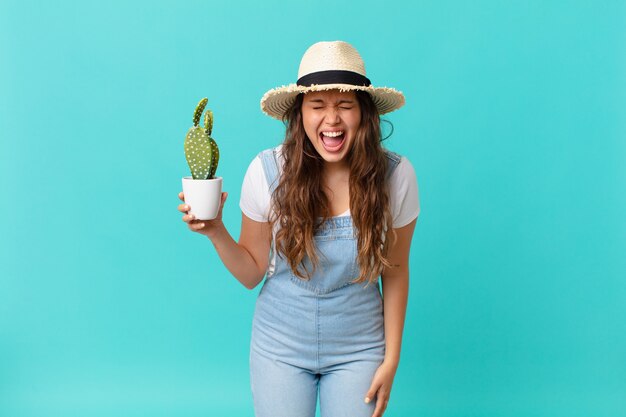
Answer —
325 333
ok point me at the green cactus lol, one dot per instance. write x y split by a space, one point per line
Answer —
215 156
208 121
201 150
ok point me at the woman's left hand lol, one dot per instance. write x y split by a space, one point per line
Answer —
381 387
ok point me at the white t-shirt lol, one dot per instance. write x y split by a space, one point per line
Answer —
403 194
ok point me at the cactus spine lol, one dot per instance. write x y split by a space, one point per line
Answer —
201 150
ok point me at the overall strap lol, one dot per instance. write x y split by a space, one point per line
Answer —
393 159
270 167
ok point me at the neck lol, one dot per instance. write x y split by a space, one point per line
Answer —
335 176
336 169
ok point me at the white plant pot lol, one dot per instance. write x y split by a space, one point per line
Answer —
203 197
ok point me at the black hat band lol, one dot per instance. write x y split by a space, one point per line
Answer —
334 77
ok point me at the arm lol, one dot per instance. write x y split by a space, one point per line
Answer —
395 294
395 291
246 260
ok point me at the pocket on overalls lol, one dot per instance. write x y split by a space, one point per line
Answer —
337 264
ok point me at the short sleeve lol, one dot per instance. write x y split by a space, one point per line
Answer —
405 206
255 198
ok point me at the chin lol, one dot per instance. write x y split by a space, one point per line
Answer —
333 156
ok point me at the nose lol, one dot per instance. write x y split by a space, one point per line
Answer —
332 115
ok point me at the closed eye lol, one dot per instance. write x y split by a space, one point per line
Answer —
344 108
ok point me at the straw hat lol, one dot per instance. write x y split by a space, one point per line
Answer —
326 66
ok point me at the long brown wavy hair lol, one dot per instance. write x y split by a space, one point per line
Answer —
299 200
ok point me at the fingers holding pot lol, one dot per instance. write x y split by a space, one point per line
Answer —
196 225
183 208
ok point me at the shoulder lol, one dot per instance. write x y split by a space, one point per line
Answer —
400 167
392 156
276 150
254 200
404 168
403 177
255 165
269 156
403 191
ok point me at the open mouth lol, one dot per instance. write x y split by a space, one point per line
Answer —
332 143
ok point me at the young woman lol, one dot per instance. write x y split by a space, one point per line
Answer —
325 214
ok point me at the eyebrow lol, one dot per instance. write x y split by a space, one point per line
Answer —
319 100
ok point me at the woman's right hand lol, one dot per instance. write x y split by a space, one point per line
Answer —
204 227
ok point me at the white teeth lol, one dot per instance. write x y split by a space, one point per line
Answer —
332 134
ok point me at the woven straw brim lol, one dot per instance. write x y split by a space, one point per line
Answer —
278 100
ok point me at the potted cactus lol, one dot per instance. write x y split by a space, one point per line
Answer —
202 190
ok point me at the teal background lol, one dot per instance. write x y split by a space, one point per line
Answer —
514 123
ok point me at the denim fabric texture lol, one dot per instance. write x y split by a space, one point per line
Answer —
324 335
